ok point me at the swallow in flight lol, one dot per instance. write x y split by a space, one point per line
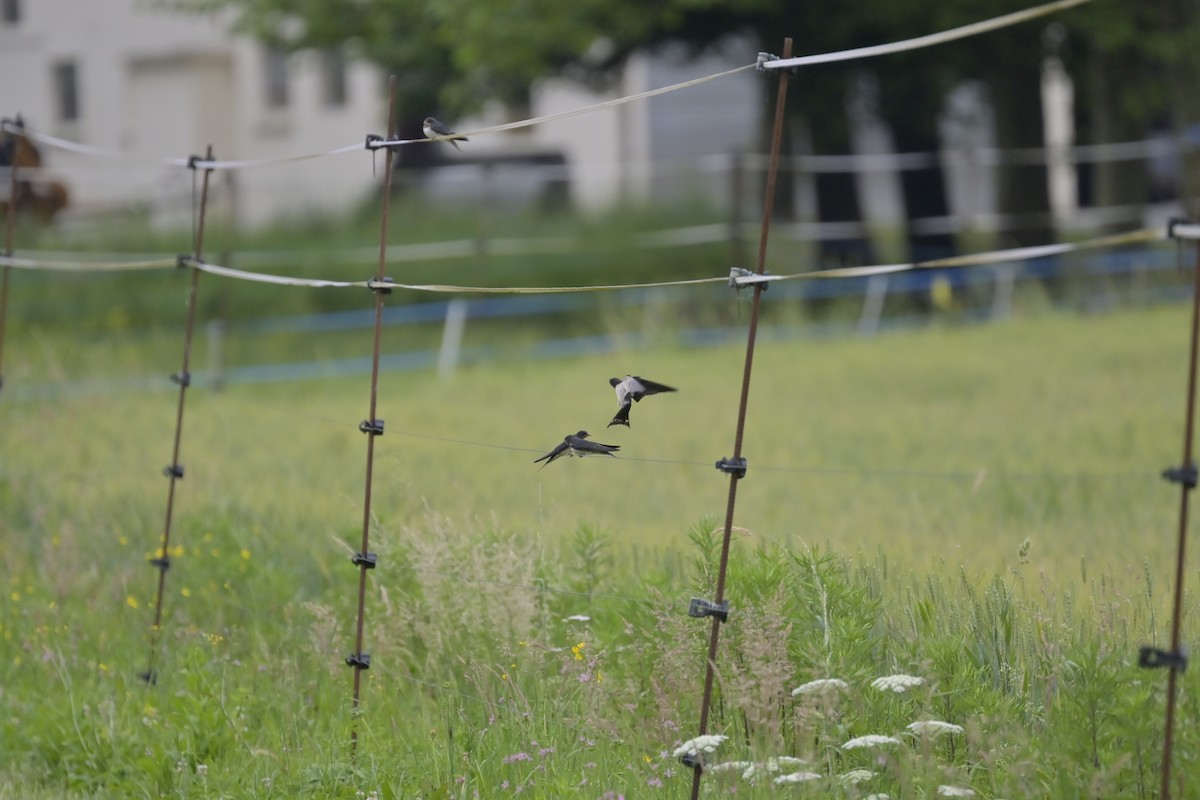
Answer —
631 389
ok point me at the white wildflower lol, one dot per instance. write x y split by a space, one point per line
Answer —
701 744
820 686
856 776
772 765
202 769
870 740
897 683
955 791
933 727
577 618
726 766
878 797
797 777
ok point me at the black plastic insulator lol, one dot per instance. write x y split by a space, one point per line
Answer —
706 608
1153 658
359 660
733 466
364 560
1185 476
380 285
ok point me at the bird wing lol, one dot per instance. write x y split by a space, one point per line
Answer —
553 454
650 387
584 446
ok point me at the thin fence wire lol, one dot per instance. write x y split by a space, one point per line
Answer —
973 476
736 277
920 42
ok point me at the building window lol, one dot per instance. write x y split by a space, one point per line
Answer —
333 77
276 77
10 11
66 90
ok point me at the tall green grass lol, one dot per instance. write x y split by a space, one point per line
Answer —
977 508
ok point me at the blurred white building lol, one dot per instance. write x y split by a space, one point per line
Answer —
131 77
124 75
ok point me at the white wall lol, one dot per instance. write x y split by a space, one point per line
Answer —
159 85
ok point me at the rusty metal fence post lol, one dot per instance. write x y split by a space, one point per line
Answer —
1174 660
735 466
372 426
183 378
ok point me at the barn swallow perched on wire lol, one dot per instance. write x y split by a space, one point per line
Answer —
632 389
433 129
576 444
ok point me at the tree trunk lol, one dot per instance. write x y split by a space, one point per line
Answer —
1014 83
1113 183
837 192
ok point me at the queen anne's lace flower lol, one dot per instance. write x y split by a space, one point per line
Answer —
726 766
701 744
955 791
856 776
897 683
933 727
771 765
870 740
797 777
821 686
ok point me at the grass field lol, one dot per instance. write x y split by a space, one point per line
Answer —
977 507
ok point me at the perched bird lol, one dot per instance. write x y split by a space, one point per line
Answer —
630 389
576 444
433 128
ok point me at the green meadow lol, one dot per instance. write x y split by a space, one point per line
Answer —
978 508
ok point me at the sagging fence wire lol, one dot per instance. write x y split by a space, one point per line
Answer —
737 278
975 155
920 42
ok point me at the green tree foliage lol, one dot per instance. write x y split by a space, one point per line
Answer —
1135 62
